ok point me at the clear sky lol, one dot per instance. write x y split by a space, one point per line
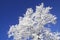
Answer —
10 10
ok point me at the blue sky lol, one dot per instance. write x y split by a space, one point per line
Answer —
10 10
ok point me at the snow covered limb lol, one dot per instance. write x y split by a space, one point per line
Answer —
32 25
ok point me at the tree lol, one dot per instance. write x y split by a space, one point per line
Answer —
32 25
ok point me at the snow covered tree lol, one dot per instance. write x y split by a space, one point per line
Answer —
32 25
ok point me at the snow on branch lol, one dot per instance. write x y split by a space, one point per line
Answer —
31 26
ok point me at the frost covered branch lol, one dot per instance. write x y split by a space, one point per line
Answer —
31 26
